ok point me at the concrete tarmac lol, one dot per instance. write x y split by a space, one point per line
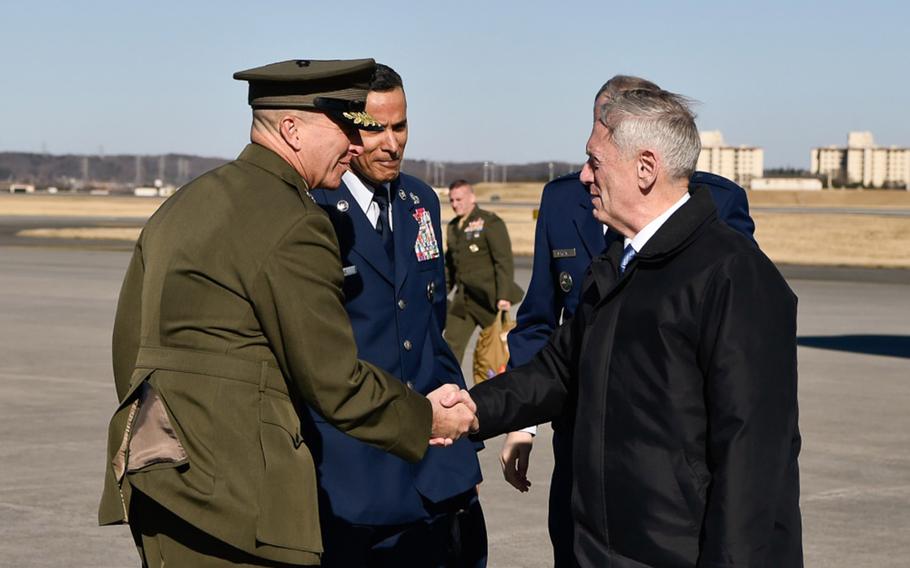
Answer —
56 395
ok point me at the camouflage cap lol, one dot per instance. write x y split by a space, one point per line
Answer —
337 87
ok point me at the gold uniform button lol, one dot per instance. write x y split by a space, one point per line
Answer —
402 304
407 345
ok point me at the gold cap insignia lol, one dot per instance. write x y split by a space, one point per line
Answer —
362 119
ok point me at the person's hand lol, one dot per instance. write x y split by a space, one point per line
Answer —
515 456
453 414
462 397
504 305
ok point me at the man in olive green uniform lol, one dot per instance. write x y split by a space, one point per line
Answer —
479 267
229 320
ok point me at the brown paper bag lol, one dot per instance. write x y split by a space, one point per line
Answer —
492 351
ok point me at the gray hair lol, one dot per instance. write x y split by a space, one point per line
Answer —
658 119
621 83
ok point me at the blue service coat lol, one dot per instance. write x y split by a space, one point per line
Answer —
397 312
567 240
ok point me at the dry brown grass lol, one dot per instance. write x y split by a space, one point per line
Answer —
78 205
89 233
788 238
514 192
835 240
831 198
820 239
530 192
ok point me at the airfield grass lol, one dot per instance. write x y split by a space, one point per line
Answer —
62 205
788 238
87 233
868 198
835 239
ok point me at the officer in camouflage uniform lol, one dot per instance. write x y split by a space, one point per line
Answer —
479 267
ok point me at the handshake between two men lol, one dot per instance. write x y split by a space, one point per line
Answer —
454 415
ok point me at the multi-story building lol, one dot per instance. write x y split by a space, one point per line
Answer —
863 163
739 163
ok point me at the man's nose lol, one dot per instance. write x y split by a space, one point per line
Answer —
390 143
587 174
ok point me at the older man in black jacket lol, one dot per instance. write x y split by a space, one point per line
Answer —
680 367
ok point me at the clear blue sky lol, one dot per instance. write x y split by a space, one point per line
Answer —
505 81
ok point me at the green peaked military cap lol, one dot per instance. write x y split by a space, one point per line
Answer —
337 87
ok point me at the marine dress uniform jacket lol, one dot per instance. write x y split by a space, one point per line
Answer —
230 318
397 310
480 266
685 369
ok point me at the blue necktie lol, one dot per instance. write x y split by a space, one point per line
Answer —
628 254
382 223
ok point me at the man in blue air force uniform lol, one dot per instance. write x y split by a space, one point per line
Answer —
566 241
377 509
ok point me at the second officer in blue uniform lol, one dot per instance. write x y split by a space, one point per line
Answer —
377 509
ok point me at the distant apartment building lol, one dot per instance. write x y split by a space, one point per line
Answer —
863 163
740 163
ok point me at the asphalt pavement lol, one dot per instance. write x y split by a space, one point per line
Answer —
56 395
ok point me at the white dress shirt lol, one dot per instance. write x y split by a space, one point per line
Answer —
644 235
638 242
363 195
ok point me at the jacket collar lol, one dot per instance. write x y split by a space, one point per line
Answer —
676 233
366 242
474 214
604 269
266 159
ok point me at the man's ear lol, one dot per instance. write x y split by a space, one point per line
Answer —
646 169
290 132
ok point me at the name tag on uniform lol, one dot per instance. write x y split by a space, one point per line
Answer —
349 270
563 253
